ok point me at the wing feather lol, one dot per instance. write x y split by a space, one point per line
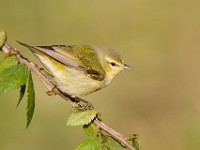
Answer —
79 57
84 60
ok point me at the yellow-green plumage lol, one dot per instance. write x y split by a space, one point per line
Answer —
79 69
83 55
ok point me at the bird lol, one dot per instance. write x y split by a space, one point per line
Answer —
79 70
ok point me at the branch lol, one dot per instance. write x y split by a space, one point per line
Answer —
34 68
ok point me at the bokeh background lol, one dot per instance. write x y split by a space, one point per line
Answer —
159 99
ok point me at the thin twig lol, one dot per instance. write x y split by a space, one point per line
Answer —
116 135
34 68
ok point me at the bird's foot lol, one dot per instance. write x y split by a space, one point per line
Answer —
83 104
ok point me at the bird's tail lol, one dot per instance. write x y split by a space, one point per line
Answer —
26 45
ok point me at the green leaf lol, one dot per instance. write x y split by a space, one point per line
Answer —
91 144
30 101
111 144
3 37
13 77
78 117
91 129
22 92
8 62
107 148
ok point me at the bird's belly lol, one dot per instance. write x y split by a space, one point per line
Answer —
76 83
69 80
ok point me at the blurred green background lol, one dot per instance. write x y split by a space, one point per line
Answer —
159 99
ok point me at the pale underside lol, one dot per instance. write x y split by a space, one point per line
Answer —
70 80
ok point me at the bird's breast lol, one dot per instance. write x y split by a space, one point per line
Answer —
71 81
76 83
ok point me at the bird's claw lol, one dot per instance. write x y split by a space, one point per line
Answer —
83 104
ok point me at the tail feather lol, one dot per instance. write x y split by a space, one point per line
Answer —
34 49
26 45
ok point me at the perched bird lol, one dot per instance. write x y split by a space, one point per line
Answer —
79 69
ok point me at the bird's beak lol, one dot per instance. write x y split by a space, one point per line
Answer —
127 67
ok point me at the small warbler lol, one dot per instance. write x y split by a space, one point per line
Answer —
79 69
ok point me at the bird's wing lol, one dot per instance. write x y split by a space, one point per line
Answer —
82 58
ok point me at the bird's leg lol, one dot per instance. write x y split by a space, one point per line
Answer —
82 104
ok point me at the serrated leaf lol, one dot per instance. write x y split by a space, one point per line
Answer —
13 77
30 101
22 92
81 117
7 62
91 129
91 144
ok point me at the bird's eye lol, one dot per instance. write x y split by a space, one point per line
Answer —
113 64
